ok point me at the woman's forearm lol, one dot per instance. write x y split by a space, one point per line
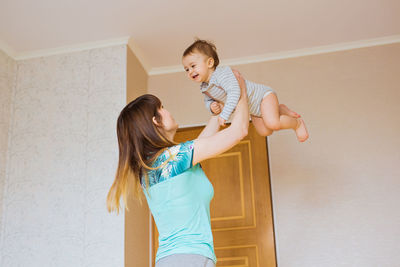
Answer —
215 144
241 115
211 128
240 121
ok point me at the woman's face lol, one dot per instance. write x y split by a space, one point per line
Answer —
168 122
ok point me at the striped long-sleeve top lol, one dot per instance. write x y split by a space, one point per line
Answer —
223 87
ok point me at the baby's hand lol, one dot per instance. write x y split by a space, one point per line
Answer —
216 107
221 121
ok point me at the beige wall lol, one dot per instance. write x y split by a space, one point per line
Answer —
137 77
137 218
180 96
336 196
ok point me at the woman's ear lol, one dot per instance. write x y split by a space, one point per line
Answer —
156 122
210 62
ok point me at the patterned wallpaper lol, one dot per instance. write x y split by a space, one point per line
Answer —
62 159
7 82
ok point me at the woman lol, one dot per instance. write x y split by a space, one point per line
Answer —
177 191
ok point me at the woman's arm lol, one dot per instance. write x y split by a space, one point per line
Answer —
211 128
219 142
213 124
229 83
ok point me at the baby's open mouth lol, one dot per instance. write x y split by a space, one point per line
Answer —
195 76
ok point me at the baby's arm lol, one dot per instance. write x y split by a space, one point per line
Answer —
228 82
208 101
216 107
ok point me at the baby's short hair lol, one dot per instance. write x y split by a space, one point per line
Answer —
205 47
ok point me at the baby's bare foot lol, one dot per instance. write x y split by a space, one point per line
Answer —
284 110
301 131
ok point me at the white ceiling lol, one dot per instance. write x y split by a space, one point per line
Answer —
162 29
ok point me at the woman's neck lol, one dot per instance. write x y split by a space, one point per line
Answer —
170 135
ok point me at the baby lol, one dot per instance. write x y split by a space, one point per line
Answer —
222 92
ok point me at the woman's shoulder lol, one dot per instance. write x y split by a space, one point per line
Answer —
171 162
177 149
185 146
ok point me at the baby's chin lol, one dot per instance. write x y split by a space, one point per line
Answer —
197 80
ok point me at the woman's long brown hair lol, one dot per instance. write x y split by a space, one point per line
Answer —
140 142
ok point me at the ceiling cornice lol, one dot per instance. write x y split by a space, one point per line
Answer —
63 50
7 49
290 54
178 68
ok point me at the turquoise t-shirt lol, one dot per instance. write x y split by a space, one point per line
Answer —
179 198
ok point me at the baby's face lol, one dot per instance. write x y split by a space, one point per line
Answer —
198 67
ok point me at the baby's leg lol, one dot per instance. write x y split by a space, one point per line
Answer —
275 121
284 110
260 126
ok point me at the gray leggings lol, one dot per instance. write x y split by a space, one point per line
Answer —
185 260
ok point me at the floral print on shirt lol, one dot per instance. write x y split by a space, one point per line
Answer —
180 159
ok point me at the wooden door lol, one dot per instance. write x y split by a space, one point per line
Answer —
241 210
